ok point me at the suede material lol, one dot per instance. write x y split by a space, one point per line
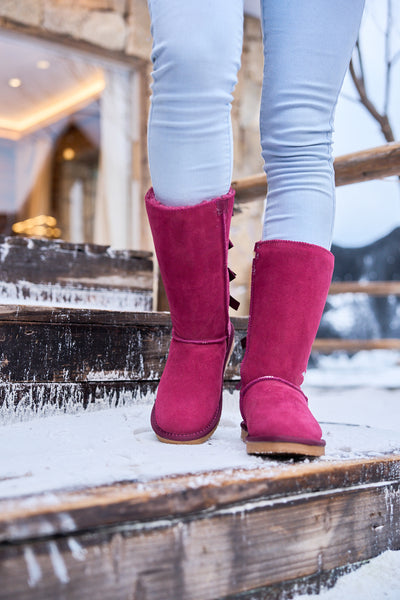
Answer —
188 396
290 283
275 412
192 246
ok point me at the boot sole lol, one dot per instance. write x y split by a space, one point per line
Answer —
188 442
281 448
206 437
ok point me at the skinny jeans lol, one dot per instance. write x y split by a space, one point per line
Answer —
197 46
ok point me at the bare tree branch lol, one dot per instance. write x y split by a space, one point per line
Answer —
360 61
387 56
383 120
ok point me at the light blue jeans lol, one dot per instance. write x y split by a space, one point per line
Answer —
197 47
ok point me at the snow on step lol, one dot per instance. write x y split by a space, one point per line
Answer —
38 272
92 505
119 444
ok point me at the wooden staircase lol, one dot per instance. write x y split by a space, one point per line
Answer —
253 529
257 529
244 534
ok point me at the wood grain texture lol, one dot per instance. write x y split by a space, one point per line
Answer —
204 554
328 345
372 288
43 261
58 356
63 345
367 165
376 163
183 495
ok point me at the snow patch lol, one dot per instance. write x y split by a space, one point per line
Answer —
376 580
367 368
4 251
26 293
34 570
44 401
77 551
118 444
58 563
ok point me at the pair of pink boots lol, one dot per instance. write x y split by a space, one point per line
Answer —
290 282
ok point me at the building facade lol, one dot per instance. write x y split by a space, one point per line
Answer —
73 116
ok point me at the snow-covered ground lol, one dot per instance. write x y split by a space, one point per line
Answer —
45 454
118 444
377 580
369 368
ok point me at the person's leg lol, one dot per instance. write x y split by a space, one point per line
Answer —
307 48
196 55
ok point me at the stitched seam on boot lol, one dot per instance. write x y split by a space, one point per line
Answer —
212 341
194 433
273 378
215 417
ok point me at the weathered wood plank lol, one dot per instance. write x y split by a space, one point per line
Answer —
183 495
376 163
86 275
221 552
372 288
328 345
57 315
63 345
60 356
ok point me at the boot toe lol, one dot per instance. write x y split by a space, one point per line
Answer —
189 397
274 411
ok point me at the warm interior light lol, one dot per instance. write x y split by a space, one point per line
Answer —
68 154
42 64
42 226
14 82
15 129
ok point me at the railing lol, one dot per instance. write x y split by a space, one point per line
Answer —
376 163
367 165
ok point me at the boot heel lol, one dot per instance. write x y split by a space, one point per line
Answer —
284 448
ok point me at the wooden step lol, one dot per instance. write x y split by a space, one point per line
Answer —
255 533
62 357
256 528
66 356
58 273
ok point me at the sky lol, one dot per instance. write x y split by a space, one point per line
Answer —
365 212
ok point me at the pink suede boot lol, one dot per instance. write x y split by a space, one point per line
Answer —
191 244
290 282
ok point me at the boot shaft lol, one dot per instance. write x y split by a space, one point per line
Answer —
290 283
191 244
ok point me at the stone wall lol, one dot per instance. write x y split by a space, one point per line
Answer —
117 25
120 29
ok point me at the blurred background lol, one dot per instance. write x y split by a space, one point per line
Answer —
73 113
